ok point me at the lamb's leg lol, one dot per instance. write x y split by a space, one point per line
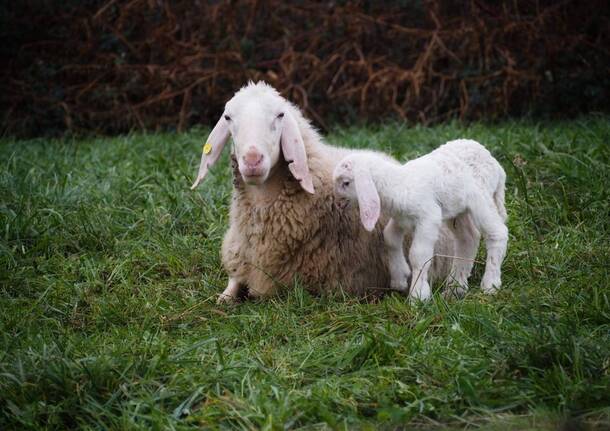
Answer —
467 243
420 256
231 293
400 272
495 233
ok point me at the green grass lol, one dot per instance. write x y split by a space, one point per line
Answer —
109 268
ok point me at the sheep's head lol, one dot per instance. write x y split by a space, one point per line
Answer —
261 123
352 180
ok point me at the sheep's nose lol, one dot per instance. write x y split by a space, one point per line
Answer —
253 158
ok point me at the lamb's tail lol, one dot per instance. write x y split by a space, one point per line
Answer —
499 196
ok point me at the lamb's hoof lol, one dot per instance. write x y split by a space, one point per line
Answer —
490 290
455 291
419 298
491 282
422 294
489 287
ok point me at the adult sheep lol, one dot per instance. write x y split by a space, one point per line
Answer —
285 221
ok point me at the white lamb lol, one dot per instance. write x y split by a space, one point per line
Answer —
459 179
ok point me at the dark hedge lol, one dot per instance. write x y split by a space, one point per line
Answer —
111 66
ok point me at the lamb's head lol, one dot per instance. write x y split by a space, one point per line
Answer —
343 179
352 180
261 123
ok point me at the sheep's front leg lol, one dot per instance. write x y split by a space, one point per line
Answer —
231 293
420 256
393 235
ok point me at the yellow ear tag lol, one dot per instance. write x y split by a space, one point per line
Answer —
207 148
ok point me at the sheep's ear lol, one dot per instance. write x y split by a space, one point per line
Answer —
294 152
212 149
368 198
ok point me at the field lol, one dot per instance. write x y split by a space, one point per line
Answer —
109 269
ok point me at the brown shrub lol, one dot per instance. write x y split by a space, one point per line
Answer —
114 65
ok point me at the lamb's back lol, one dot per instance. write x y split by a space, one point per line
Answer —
477 160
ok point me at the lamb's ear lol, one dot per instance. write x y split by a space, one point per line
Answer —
212 149
294 152
368 198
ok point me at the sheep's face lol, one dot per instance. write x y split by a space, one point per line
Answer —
260 122
343 180
255 123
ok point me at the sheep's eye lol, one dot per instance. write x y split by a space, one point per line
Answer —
280 115
227 118
345 183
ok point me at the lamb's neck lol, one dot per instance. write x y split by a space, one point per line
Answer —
391 185
387 176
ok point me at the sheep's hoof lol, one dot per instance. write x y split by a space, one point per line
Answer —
401 283
223 298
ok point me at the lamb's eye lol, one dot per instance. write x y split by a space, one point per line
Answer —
227 118
345 184
280 115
